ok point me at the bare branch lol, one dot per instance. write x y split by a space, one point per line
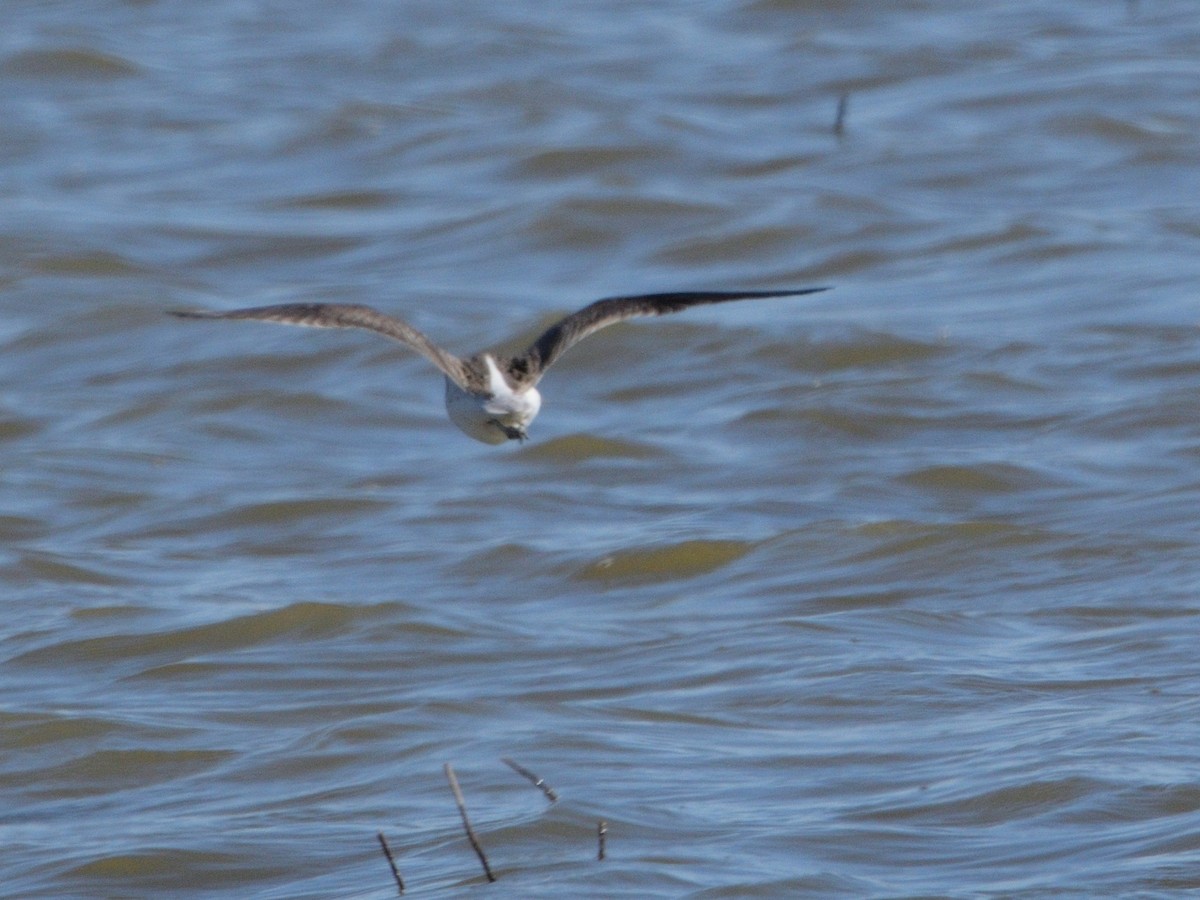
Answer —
462 811
533 779
387 851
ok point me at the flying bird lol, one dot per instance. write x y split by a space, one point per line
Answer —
491 398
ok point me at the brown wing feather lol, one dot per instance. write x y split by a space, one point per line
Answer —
338 315
560 337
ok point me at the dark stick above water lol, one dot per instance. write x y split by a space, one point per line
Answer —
387 851
462 811
534 779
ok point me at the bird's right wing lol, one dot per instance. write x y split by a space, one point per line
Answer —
338 315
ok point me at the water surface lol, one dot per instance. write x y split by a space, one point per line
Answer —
888 591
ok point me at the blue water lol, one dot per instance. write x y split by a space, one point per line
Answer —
889 591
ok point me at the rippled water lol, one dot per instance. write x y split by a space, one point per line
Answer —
888 591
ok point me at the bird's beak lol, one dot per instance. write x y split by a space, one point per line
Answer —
512 433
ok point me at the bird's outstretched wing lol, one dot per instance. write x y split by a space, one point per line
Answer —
560 337
338 315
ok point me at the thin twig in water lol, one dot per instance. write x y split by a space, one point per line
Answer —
839 121
387 851
601 834
462 811
535 780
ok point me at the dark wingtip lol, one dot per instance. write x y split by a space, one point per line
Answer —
190 314
792 292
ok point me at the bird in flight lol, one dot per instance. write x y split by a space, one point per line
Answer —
490 398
